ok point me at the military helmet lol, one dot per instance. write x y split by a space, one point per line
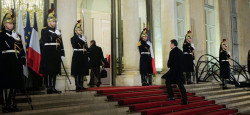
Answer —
51 15
78 25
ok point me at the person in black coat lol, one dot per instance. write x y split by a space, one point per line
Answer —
80 64
224 64
188 57
52 53
175 74
146 68
12 59
96 60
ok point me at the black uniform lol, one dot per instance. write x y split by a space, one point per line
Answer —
80 64
12 59
175 74
188 57
146 68
224 66
50 65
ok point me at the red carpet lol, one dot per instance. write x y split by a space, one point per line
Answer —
152 100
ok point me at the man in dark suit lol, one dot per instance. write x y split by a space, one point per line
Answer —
96 60
175 74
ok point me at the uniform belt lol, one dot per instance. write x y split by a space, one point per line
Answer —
223 60
79 50
145 52
9 51
51 44
187 53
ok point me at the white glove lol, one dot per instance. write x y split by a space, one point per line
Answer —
229 53
58 32
194 62
192 45
84 38
62 57
14 34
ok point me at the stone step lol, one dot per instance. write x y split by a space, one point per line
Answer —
202 89
201 85
62 103
233 100
113 111
62 96
227 96
219 92
244 110
69 109
239 105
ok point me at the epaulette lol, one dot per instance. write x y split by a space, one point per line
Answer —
0 30
185 43
139 43
44 27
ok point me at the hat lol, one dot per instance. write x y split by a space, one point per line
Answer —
51 15
78 25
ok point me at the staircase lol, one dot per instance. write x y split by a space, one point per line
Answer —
205 98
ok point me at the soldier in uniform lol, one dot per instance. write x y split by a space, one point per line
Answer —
12 59
224 64
146 68
52 53
80 64
188 57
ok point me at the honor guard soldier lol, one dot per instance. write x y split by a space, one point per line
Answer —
224 64
80 64
146 68
52 53
188 57
12 59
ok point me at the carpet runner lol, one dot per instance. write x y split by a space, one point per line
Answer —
152 100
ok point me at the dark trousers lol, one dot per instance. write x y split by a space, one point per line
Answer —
181 88
50 81
79 82
95 73
8 97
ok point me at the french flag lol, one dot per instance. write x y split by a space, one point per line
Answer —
149 42
34 53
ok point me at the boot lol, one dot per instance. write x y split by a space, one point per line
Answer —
54 85
13 106
5 108
77 83
49 85
81 79
149 80
143 80
224 84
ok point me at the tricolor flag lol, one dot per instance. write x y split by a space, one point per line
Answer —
20 30
27 32
151 50
34 53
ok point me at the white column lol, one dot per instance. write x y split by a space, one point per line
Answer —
168 28
131 34
156 9
66 18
